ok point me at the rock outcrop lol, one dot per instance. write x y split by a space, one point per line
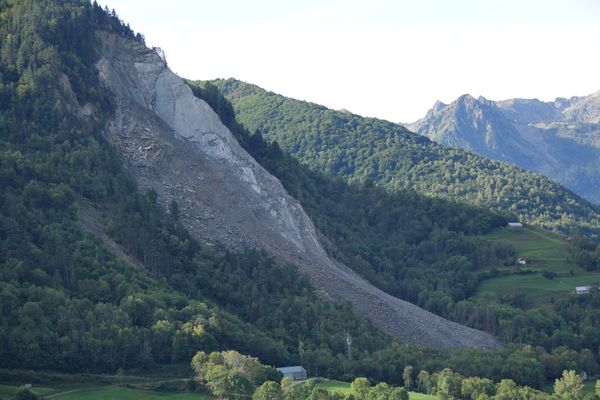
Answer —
176 145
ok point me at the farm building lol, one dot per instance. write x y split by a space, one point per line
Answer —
583 289
296 373
514 225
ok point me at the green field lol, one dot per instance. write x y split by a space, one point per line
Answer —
344 388
8 391
420 396
335 386
95 392
89 392
543 251
589 387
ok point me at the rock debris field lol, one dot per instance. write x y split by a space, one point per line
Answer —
175 144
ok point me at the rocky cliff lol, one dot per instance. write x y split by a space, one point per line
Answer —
174 143
560 139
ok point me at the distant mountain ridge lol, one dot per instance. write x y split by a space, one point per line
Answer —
559 139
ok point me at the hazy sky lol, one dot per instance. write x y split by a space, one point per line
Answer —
390 59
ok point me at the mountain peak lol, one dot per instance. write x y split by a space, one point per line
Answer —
465 97
437 107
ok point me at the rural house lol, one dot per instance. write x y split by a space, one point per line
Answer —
583 289
296 373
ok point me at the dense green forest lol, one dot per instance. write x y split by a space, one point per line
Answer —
367 149
414 247
68 303
427 251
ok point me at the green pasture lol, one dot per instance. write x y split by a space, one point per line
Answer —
334 386
544 251
420 396
89 392
8 391
344 388
533 286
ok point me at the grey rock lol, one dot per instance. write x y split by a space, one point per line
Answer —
176 145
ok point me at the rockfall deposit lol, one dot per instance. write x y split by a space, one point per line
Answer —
176 145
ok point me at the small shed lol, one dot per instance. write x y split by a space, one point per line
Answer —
514 225
583 289
295 373
521 261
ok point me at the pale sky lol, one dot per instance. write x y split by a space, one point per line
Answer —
389 59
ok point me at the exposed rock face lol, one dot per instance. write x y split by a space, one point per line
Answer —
175 144
560 139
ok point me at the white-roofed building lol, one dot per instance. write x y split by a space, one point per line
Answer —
583 289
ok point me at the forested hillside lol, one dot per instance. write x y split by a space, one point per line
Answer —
412 246
69 303
366 149
434 260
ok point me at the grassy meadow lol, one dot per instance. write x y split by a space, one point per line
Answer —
344 388
544 251
101 392
98 392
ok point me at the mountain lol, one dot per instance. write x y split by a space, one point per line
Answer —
141 223
366 149
175 145
95 275
559 139
107 158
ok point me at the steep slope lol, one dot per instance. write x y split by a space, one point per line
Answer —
559 139
362 149
67 302
175 145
